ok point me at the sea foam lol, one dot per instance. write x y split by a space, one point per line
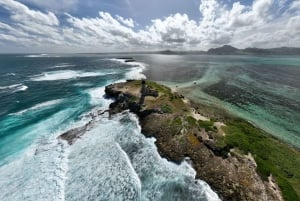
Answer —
40 106
65 75
128 166
14 88
63 65
136 72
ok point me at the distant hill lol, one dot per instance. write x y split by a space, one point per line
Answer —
170 52
226 49
276 51
229 50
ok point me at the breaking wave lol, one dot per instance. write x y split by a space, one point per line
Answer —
65 75
40 106
14 88
136 72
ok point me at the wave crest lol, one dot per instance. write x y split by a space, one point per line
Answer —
65 75
14 88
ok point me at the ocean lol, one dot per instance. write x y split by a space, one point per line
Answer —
43 96
264 90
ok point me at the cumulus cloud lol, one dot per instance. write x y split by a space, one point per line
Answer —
23 14
128 22
235 24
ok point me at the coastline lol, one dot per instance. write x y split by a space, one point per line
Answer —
231 171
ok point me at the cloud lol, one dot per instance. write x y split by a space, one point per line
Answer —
295 5
235 24
128 22
54 5
23 14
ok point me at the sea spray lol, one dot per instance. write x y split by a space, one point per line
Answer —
129 166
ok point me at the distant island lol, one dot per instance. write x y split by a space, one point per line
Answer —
230 50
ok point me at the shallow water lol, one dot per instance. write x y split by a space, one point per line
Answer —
262 89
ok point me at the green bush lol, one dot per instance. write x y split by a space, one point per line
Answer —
271 155
207 125
166 109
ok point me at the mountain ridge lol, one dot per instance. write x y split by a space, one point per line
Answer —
230 50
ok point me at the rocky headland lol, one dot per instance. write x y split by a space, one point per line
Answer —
181 132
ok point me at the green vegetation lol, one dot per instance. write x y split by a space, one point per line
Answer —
177 122
160 88
168 102
192 122
166 109
207 125
271 155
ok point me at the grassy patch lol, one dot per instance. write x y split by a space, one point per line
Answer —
166 109
192 121
160 88
271 155
207 125
169 102
176 122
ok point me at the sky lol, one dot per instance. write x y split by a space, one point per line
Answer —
82 26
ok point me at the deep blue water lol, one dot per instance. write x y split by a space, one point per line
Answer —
42 96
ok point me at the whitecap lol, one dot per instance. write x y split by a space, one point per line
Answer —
82 84
39 106
36 55
14 88
63 65
41 55
135 73
10 74
65 75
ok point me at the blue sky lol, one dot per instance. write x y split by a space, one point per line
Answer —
134 25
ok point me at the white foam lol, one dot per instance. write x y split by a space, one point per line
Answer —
21 88
63 65
64 75
40 55
39 174
82 84
40 106
135 73
10 74
114 161
97 97
14 88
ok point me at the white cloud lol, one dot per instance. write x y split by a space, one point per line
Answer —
295 5
23 14
239 25
128 22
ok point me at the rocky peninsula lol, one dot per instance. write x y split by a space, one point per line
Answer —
182 132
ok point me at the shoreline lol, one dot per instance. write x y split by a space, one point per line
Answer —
214 142
230 172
